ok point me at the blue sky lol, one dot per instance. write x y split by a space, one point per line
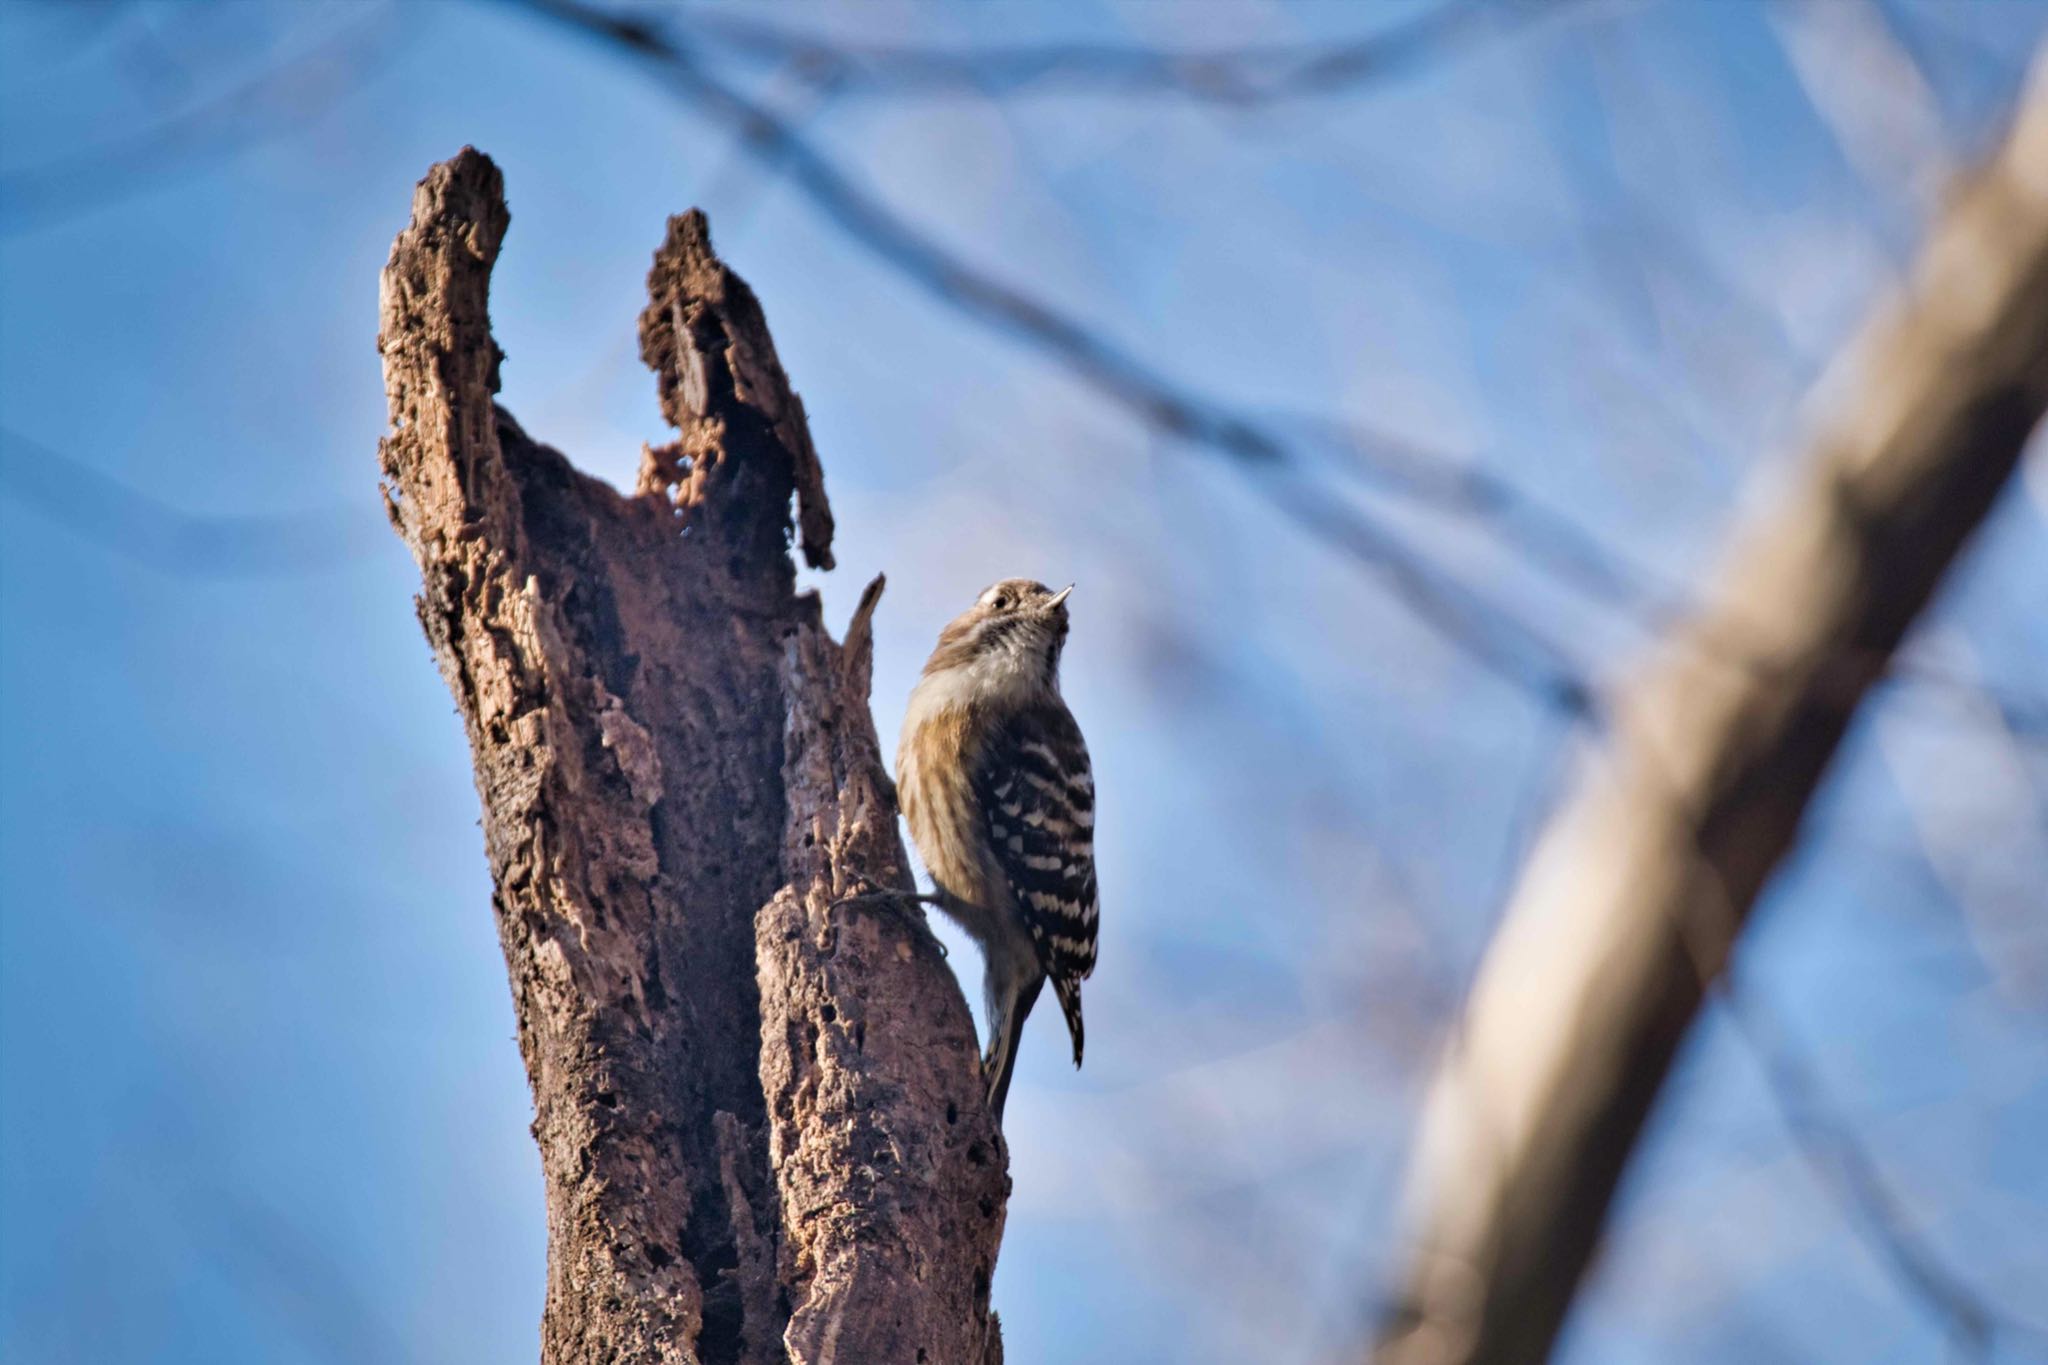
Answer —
259 1098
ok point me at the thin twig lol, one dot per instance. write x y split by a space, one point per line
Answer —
136 526
1463 615
1488 632
1239 77
280 100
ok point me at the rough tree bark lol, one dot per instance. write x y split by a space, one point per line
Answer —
1631 903
760 1117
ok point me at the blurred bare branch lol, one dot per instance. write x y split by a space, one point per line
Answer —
1617 930
276 102
1243 77
1488 632
1869 90
1495 638
1844 1165
1469 489
1981 820
136 526
285 1267
73 29
1462 614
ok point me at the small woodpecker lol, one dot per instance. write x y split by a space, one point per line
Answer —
995 783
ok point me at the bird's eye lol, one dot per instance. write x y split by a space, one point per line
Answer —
1001 602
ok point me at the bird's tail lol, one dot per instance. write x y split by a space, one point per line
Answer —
1068 989
1004 1033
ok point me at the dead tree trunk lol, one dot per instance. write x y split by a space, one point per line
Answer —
1633 899
760 1118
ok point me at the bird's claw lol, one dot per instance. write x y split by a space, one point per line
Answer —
899 899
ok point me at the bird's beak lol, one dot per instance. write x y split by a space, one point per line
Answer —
1059 597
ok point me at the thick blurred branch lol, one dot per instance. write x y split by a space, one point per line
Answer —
760 1116
1634 897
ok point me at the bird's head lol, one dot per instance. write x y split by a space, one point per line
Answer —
1010 639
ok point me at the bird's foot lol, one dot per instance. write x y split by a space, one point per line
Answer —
900 900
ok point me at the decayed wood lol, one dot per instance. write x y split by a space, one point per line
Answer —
759 1116
1632 901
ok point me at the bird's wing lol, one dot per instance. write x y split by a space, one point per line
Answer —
1037 794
